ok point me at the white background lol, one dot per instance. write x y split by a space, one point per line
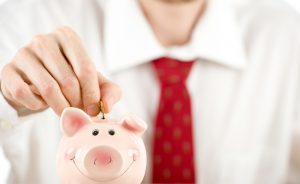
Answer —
295 4
4 167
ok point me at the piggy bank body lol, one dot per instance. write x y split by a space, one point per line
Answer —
96 151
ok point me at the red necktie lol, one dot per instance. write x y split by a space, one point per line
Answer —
173 154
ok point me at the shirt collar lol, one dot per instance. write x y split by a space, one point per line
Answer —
129 40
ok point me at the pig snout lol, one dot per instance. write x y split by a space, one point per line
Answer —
104 163
102 159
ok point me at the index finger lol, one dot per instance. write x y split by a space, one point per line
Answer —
83 68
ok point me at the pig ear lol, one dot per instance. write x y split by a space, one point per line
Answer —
134 124
72 119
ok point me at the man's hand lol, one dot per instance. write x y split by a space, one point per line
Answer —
55 70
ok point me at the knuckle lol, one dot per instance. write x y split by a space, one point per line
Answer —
85 71
19 92
22 53
69 82
64 31
39 41
22 56
47 89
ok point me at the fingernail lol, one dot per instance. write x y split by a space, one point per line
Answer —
92 109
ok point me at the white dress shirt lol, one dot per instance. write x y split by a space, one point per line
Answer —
245 86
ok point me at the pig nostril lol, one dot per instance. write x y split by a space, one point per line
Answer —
102 160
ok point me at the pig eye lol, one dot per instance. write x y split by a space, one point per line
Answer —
95 132
111 132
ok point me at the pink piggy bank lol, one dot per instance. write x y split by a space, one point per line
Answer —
97 151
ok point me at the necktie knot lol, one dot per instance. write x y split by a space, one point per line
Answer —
171 71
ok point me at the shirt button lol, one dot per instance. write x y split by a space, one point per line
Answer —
5 125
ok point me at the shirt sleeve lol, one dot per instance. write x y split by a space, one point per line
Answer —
294 170
16 30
